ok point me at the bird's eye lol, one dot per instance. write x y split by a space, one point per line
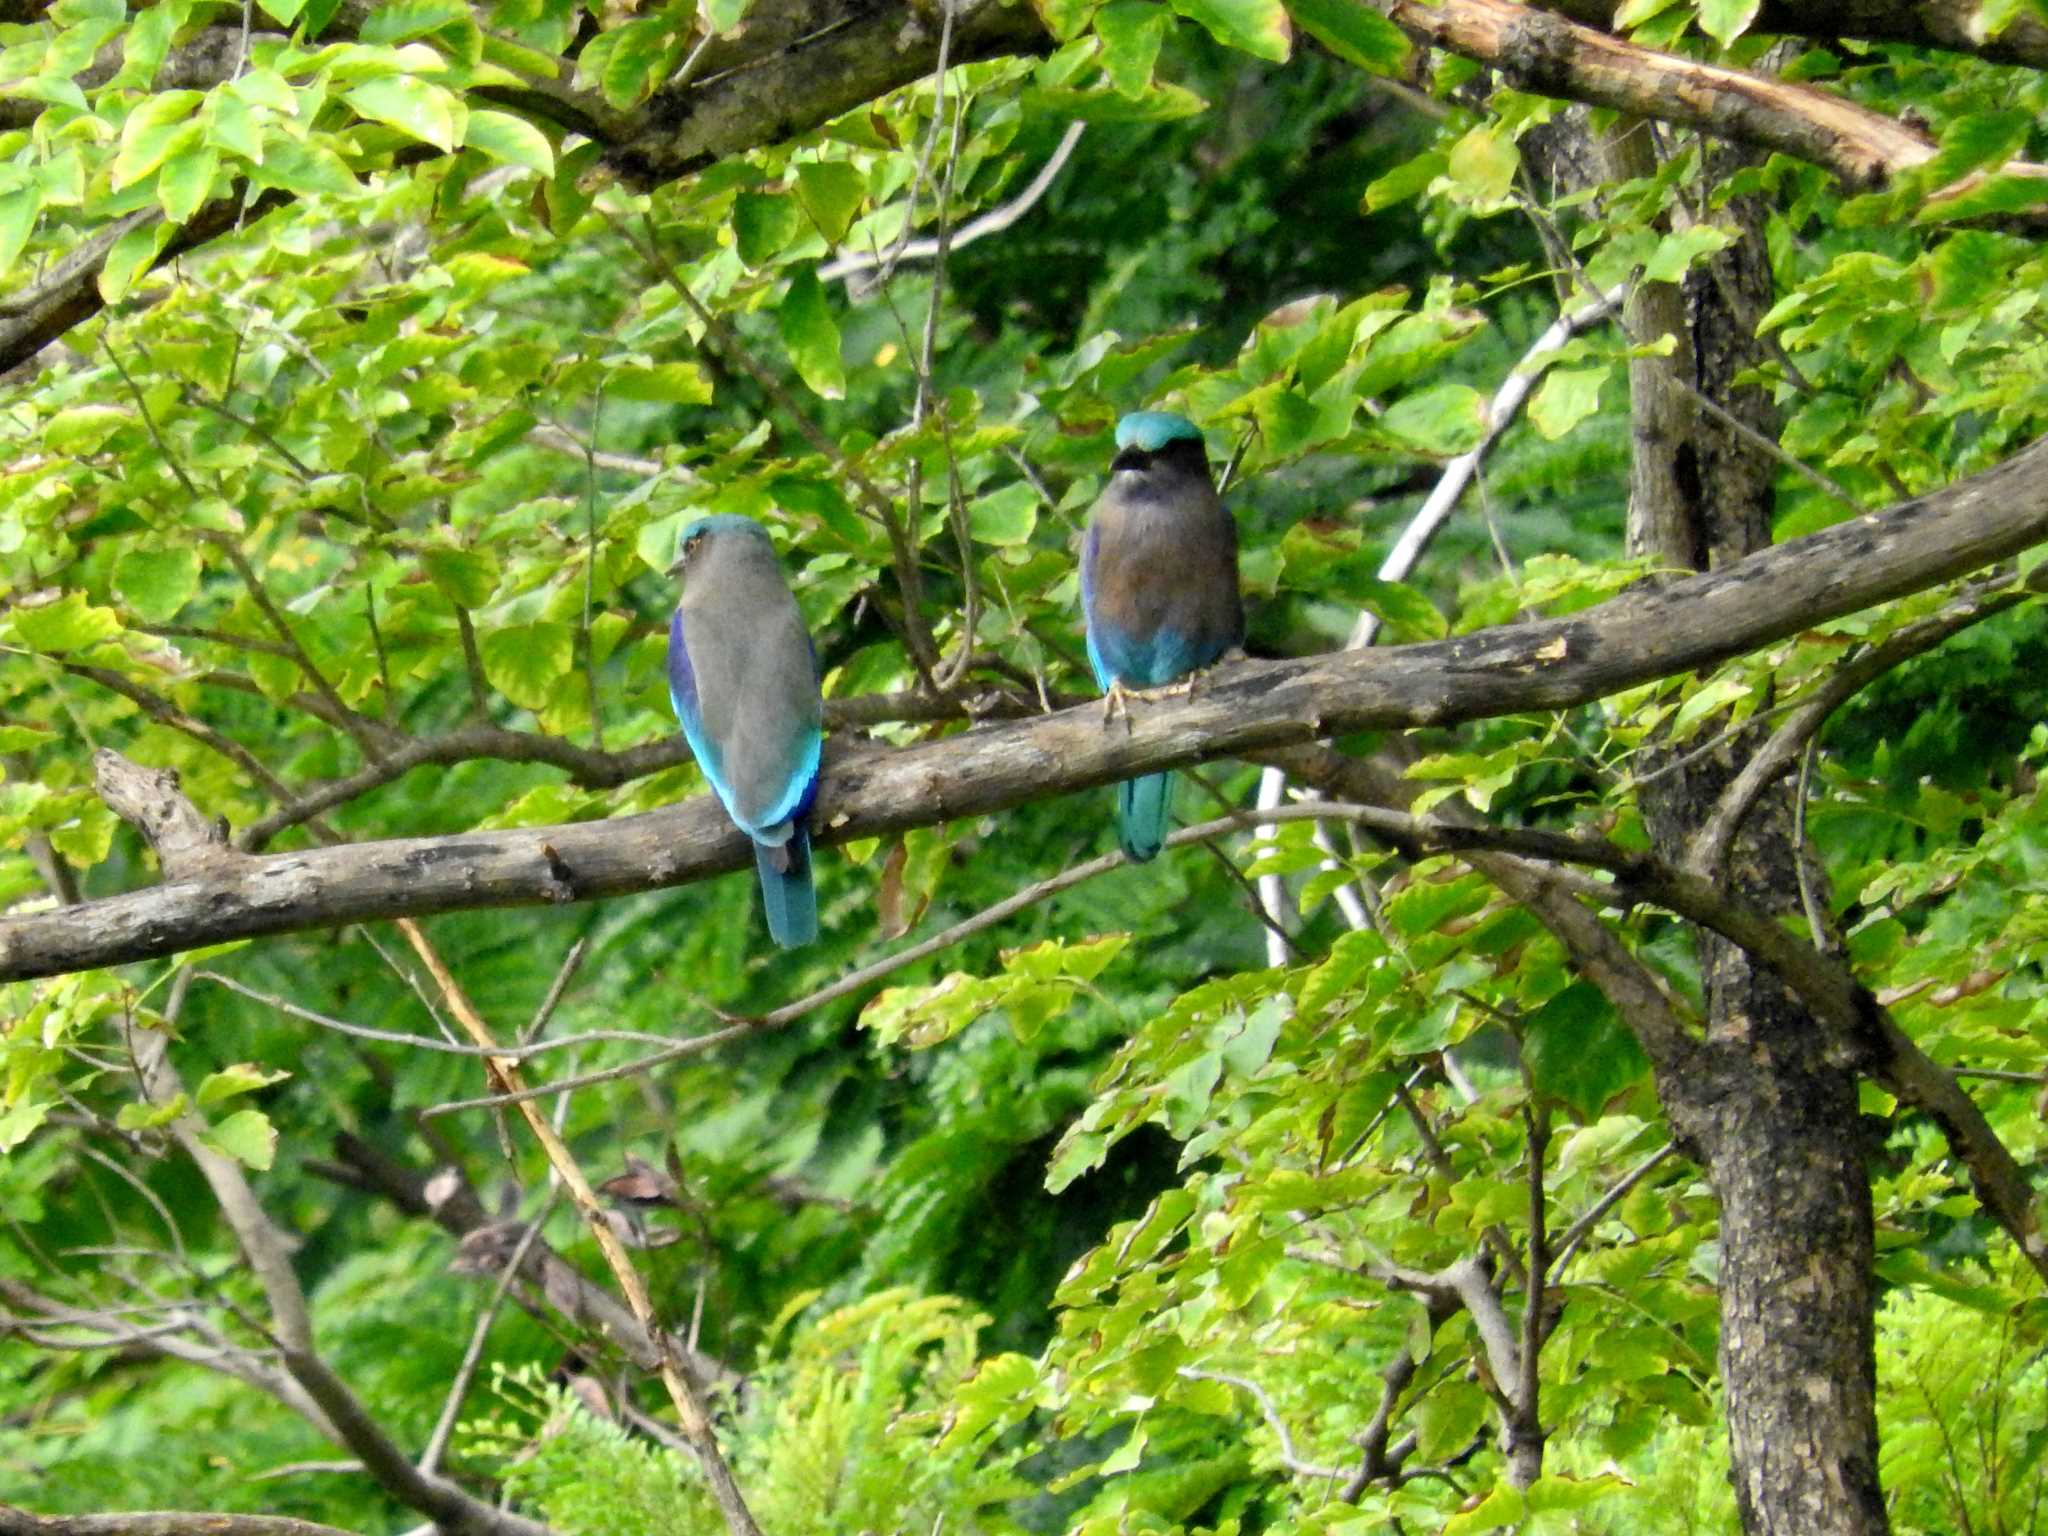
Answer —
691 544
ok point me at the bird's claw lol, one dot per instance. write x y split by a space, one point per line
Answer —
1116 700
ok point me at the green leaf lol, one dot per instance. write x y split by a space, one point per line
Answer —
1131 32
156 583
427 111
1447 419
21 1122
1677 251
403 20
1566 397
247 1136
283 11
1579 1052
1163 103
307 170
1354 32
831 192
466 577
18 210
1482 165
510 140
230 125
1726 20
763 223
157 128
667 383
184 181
130 257
1411 178
721 16
812 335
1259 27
1406 611
138 1115
1004 517
627 62
230 1082
525 661
68 624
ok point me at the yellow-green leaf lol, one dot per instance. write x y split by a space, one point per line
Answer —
247 1136
427 111
157 128
509 139
1259 27
812 335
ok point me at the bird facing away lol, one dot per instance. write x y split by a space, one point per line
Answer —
744 680
1158 587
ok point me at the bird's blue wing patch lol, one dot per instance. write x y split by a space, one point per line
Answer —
803 789
682 693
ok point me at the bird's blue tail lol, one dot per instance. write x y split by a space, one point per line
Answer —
787 896
1141 811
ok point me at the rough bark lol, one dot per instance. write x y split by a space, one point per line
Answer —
1956 25
1764 1104
1658 630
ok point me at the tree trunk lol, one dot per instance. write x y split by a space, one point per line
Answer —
1769 1116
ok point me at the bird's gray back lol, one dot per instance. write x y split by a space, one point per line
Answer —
756 677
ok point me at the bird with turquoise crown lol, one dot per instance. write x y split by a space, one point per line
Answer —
1159 590
743 676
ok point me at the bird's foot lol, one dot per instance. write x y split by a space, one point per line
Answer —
1116 701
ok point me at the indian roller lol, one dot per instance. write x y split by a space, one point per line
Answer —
743 676
1158 588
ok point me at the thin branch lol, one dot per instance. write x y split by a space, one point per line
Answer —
683 1393
472 1356
994 222
268 1254
923 652
1421 531
19 1522
855 981
1776 756
1288 1457
428 1042
1610 1197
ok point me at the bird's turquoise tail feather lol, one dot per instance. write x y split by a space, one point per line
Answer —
787 895
1142 806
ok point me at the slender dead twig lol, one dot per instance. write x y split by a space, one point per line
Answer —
683 1393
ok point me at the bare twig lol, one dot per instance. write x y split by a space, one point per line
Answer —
19 1522
682 1392
994 222
1973 605
1421 531
1288 1457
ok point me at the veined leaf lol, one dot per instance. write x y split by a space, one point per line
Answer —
429 112
156 129
1258 27
510 139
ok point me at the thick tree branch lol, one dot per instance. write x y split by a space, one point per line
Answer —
1654 631
1545 53
1956 25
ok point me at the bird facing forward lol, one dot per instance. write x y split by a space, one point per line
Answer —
743 676
1159 587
